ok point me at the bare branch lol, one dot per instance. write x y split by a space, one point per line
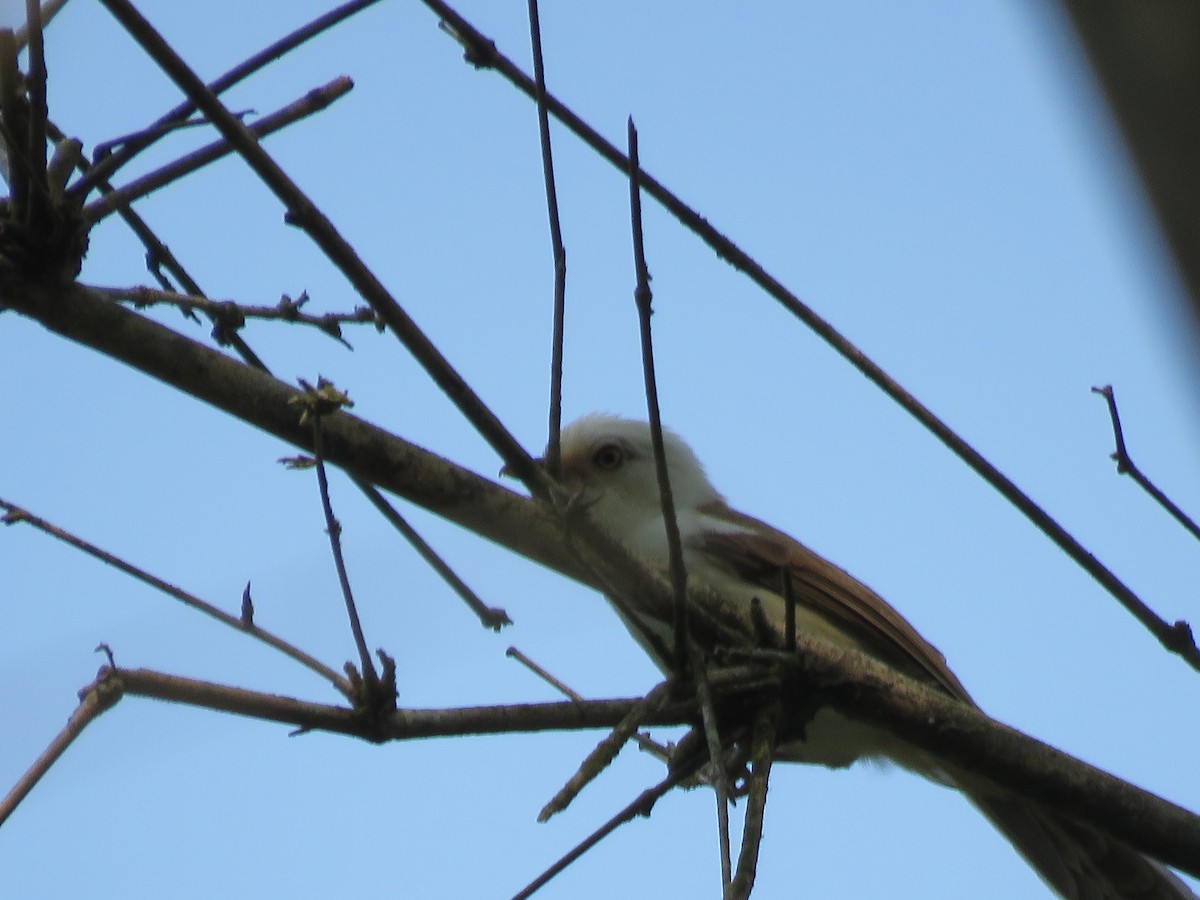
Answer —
686 656
1126 466
15 514
314 101
228 316
98 697
317 403
492 617
756 802
606 751
642 806
105 168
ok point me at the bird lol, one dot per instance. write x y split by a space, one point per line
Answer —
607 464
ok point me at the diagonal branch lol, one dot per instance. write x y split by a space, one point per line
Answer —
314 101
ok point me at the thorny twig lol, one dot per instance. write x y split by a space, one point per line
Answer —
228 317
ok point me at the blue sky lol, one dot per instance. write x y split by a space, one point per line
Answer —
939 180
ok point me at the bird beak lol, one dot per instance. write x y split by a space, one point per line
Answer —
507 472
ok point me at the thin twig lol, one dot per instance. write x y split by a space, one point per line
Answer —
94 700
686 655
646 743
35 85
334 529
228 316
48 12
492 617
606 751
105 168
314 101
563 688
303 213
553 443
15 514
1126 466
481 52
756 801
642 806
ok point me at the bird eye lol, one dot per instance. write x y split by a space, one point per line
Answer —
609 457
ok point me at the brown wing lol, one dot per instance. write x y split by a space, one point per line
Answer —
760 554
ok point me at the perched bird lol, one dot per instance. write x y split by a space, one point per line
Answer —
609 463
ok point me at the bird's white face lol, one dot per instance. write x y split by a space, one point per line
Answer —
610 461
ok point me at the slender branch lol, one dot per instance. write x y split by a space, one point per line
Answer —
641 806
553 443
492 617
756 802
303 213
93 701
316 408
105 168
563 688
481 52
686 656
606 751
644 741
39 207
314 101
15 514
1126 466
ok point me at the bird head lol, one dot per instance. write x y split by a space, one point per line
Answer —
610 462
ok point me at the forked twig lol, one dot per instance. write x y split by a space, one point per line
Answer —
1126 466
314 101
481 52
15 514
106 167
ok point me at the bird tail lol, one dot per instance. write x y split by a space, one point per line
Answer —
1077 861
